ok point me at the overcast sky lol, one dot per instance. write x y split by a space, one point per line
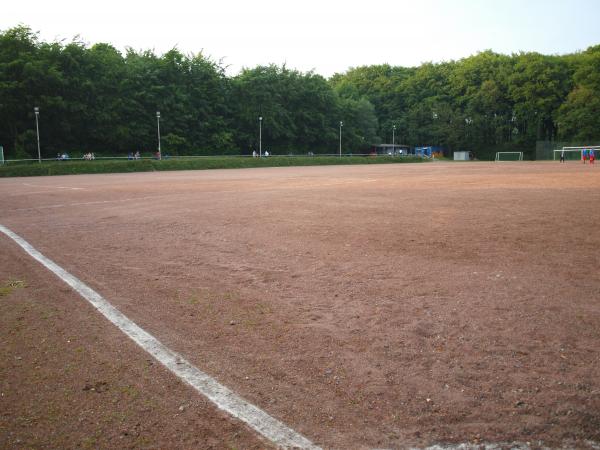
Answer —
320 35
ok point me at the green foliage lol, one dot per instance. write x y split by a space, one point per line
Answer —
174 144
538 87
94 99
485 102
300 111
9 286
100 100
204 163
579 117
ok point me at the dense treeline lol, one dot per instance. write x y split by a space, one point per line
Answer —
486 102
98 99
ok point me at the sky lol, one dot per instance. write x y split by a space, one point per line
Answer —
319 35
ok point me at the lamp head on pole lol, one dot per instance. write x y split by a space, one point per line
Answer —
341 124
36 110
158 114
260 118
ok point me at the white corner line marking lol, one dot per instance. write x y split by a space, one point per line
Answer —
225 399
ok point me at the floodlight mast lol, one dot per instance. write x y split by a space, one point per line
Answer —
36 110
394 139
341 125
158 129
260 136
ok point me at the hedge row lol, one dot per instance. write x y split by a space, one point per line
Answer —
150 165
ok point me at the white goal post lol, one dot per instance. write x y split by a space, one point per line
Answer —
571 150
515 156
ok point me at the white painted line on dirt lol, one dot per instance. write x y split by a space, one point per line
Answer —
221 396
21 194
482 446
96 202
503 445
151 197
54 187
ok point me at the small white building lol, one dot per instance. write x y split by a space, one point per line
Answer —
461 156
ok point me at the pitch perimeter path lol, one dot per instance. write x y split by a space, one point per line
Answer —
363 306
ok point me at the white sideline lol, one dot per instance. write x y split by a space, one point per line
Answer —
221 396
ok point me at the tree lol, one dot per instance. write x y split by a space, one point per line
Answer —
579 116
18 61
538 87
299 110
98 99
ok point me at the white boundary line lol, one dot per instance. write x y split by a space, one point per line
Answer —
55 187
96 202
221 396
225 399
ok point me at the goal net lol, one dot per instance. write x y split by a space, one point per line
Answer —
509 156
574 153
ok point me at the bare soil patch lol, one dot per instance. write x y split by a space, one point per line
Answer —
371 306
69 379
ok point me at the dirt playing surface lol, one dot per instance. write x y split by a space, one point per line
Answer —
68 379
363 306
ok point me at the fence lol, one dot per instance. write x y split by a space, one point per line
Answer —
183 157
544 150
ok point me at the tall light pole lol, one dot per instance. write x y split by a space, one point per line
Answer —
158 129
394 139
260 136
36 110
341 125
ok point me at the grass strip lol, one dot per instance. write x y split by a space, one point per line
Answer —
205 163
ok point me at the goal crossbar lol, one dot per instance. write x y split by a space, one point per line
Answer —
520 155
574 149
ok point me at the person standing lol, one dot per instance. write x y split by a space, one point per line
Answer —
562 155
584 155
592 156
